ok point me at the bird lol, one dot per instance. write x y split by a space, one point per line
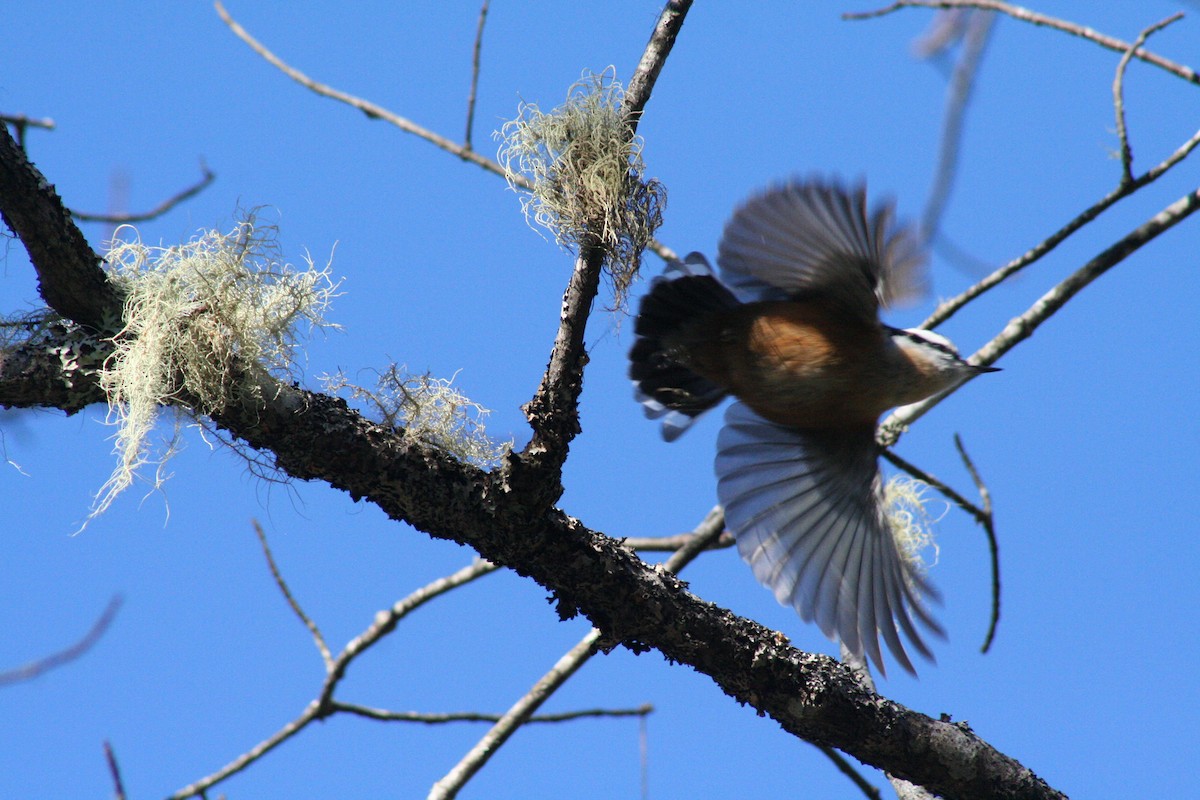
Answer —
790 327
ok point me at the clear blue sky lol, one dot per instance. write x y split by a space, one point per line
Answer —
1087 439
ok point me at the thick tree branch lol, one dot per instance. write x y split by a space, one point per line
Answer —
70 279
314 436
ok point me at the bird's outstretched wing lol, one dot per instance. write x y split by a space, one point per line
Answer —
806 508
814 237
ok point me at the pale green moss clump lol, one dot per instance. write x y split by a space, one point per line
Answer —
205 321
587 175
429 410
909 519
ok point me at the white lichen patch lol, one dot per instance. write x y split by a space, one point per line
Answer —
203 323
587 175
909 518
429 410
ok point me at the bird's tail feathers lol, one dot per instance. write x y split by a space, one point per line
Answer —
667 390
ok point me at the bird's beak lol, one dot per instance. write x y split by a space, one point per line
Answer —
981 369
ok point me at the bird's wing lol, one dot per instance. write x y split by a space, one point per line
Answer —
813 237
806 508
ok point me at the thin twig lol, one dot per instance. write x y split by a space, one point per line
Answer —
207 177
669 544
483 11
709 528
846 768
982 515
1023 326
35 668
1041 20
385 621
473 716
375 111
372 110
321 706
989 527
20 123
1118 90
115 771
958 95
318 638
498 734
912 469
949 308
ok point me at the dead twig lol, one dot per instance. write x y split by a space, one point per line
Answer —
207 177
520 713
35 668
483 11
472 716
318 638
1041 20
989 527
1119 95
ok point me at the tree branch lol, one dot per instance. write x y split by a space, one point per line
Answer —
483 11
45 664
1022 327
553 412
206 177
70 279
1041 20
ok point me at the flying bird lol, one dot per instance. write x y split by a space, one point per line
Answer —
791 328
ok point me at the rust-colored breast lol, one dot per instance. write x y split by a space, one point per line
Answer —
795 363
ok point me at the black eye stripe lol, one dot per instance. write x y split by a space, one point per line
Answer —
921 340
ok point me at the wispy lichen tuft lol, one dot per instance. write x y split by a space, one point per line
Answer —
428 410
204 321
910 520
587 175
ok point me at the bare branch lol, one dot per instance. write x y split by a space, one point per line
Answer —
20 123
989 526
670 21
516 716
483 11
925 477
35 668
1022 327
949 308
318 638
114 770
1119 95
958 95
846 768
207 177
473 716
521 712
375 111
372 110
385 621
983 516
1041 20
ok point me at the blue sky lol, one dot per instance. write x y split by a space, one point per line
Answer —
1087 439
